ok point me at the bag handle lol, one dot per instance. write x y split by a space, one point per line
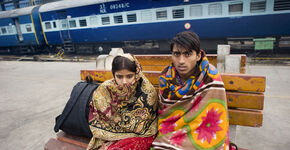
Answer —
233 146
89 79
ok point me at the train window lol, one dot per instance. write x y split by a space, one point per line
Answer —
178 13
131 17
236 8
118 19
105 20
28 28
54 24
146 15
93 20
215 9
258 6
37 2
10 29
281 5
3 30
161 14
72 23
83 22
196 11
63 24
47 25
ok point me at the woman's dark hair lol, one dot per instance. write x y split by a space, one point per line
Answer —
187 40
120 62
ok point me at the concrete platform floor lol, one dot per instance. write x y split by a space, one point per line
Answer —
32 94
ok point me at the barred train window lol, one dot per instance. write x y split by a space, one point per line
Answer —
105 20
83 22
28 28
178 13
146 15
196 11
118 19
258 6
280 5
215 9
131 17
236 8
72 23
47 25
161 14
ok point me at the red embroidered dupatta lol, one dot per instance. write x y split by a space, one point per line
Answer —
124 117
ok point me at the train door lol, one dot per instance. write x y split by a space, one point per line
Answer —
18 30
64 32
37 25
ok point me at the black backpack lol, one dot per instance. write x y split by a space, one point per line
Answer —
74 118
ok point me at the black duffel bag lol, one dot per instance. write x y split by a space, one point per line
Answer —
74 118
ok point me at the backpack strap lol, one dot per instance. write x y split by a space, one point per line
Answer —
87 96
78 89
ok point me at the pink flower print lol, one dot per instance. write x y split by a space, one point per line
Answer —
168 124
209 126
178 137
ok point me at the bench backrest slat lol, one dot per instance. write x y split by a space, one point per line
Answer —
235 82
245 100
159 62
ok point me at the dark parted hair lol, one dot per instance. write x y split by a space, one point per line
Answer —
187 40
120 62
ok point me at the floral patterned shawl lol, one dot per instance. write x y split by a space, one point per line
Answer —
194 114
119 113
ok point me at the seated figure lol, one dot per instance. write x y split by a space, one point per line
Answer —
123 110
193 114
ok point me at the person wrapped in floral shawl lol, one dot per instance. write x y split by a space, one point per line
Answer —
123 110
193 114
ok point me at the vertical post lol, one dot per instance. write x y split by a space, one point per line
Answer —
222 52
109 59
233 63
233 133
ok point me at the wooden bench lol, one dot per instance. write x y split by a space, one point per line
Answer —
245 96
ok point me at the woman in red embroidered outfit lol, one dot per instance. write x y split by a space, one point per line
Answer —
124 109
193 114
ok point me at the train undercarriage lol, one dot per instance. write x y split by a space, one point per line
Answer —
245 45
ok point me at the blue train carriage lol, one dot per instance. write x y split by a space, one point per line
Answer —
99 25
17 31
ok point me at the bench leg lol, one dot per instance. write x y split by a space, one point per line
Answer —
233 133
